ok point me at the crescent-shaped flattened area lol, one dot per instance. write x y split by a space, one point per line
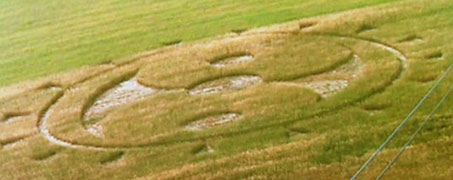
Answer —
258 74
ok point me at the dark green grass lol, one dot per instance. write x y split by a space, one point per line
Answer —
40 37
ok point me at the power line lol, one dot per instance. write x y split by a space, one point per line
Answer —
441 102
400 126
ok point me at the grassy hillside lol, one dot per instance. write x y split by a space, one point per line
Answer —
306 99
43 37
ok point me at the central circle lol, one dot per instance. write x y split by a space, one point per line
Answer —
205 90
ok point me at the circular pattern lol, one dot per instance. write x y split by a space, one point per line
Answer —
220 91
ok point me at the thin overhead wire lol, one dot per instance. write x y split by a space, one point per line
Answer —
389 165
400 126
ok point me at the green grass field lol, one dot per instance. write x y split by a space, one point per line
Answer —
223 90
41 38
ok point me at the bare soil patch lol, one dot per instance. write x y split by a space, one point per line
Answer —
225 84
212 121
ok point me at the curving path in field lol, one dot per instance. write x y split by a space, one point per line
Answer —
43 127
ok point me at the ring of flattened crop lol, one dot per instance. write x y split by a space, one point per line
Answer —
393 61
